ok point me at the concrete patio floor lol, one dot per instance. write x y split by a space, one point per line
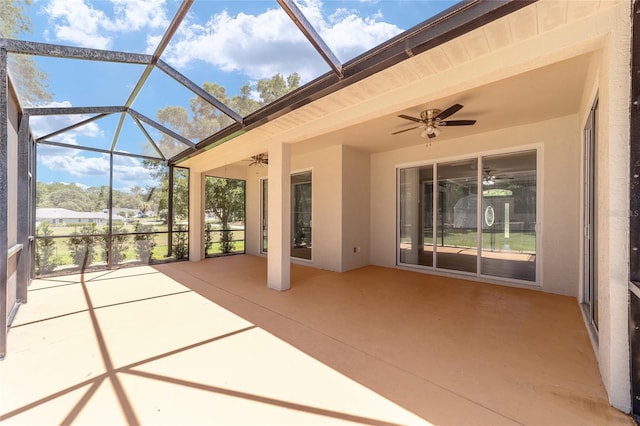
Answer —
207 343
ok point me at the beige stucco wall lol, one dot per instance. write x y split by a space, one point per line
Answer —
340 210
355 209
613 83
326 172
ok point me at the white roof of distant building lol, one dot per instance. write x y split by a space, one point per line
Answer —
57 213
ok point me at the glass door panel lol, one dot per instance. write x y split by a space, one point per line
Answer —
456 230
590 272
416 216
509 216
301 215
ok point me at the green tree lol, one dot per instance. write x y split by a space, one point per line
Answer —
181 242
31 83
207 120
71 199
273 88
224 198
160 197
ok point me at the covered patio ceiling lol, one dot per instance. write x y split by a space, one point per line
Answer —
138 90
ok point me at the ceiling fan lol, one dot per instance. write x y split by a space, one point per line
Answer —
489 177
259 160
431 119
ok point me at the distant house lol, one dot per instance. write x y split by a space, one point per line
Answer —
123 212
64 216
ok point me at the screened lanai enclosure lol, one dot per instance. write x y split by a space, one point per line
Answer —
102 124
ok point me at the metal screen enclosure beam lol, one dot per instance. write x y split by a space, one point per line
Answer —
634 215
170 212
312 35
4 142
25 210
634 155
59 51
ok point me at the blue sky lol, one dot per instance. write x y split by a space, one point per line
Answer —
228 42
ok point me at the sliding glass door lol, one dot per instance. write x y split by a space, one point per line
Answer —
476 216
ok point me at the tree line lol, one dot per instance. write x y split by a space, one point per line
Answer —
78 198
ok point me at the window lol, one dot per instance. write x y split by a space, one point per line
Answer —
301 215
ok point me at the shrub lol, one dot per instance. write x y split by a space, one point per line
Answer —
118 244
144 243
181 243
46 260
208 240
82 245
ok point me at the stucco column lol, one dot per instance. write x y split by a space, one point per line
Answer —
613 214
196 216
279 218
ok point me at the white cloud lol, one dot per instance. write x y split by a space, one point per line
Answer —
262 45
42 125
133 15
77 165
79 23
127 171
255 45
76 22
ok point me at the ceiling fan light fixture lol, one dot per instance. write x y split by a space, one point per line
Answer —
488 181
430 131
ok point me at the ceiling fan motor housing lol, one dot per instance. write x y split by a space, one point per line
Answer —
429 114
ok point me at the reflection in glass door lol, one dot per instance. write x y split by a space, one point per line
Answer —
416 215
509 216
301 208
457 230
301 215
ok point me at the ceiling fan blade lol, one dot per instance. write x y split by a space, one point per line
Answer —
405 130
449 111
406 117
457 123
